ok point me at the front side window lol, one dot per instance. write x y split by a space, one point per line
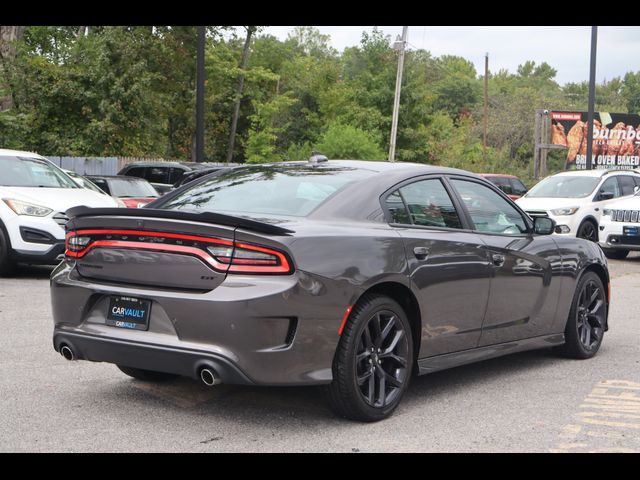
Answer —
32 172
489 212
427 204
611 186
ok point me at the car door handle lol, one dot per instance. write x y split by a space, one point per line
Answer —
421 253
497 259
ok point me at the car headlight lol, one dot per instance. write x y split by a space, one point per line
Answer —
607 212
25 208
565 211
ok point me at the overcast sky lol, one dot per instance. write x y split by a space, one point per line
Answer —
565 48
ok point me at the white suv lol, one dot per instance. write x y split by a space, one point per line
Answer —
620 227
34 194
576 199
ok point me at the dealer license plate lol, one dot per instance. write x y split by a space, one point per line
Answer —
129 312
631 231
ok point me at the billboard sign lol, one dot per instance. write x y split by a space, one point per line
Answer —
616 139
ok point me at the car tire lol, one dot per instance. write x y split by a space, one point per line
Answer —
146 375
368 384
7 265
588 230
615 254
587 319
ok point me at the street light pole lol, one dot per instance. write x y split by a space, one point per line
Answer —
399 45
592 97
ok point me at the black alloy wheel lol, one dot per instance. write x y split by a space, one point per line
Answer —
587 319
382 359
589 231
373 362
590 320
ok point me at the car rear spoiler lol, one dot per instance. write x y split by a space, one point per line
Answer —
204 217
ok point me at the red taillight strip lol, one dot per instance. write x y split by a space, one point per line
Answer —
344 319
142 233
152 246
284 266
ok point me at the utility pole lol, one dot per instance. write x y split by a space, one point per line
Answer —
486 101
592 97
398 45
200 96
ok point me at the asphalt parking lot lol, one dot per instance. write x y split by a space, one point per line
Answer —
532 401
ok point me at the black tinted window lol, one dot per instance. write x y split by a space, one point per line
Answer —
135 172
489 211
502 183
518 187
176 174
429 204
102 184
626 184
157 174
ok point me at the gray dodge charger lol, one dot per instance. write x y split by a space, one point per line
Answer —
349 274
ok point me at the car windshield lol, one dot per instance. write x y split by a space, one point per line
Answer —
278 190
32 172
131 188
564 186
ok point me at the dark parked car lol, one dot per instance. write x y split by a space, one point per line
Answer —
509 184
164 175
349 274
132 192
189 177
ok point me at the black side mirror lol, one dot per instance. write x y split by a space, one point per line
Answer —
605 195
544 225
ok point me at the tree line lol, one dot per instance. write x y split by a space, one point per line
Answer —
130 91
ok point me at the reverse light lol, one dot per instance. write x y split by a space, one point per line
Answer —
25 208
565 211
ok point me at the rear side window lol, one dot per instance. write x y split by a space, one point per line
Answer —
518 187
502 183
175 175
626 184
135 172
157 174
427 204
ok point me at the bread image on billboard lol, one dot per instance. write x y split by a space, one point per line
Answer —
615 142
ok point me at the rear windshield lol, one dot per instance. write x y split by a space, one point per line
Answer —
32 172
131 188
278 190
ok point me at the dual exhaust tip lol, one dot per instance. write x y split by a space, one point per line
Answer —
67 353
207 375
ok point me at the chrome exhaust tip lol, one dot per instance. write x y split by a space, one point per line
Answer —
209 377
67 353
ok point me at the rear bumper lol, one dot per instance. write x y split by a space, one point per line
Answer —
269 330
179 361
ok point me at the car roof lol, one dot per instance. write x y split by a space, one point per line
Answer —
498 175
117 177
19 153
594 173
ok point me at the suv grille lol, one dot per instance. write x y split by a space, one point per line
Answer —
61 219
625 216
